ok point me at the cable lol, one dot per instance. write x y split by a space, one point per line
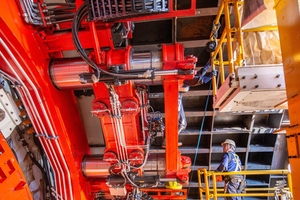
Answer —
80 14
200 134
60 4
31 156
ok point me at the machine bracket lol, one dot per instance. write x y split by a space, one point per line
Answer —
293 141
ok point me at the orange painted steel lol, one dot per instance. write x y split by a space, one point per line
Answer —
12 180
64 143
165 194
288 21
27 51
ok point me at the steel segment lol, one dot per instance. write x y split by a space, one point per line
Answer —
261 77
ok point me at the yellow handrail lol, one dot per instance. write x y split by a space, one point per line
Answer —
232 35
226 36
214 192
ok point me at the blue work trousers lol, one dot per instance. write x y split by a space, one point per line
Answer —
232 188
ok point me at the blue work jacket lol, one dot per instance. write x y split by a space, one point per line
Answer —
230 162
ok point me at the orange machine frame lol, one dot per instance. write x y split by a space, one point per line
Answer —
26 53
288 20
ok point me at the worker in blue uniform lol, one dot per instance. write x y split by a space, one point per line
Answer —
231 163
202 76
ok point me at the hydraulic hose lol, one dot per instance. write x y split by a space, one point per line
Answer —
80 14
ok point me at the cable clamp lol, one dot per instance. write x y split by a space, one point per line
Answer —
47 137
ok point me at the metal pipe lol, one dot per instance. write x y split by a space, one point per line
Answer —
229 43
115 129
289 175
166 72
63 16
221 40
140 97
260 29
220 12
221 65
200 184
33 111
49 125
32 5
27 15
214 180
60 4
116 138
31 11
239 33
117 118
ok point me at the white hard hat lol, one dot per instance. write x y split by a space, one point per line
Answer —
228 141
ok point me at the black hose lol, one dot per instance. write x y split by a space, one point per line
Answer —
71 15
60 21
80 14
60 9
61 4
25 145
75 26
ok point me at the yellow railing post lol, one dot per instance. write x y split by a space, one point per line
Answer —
214 187
227 32
221 65
290 182
240 56
200 183
255 192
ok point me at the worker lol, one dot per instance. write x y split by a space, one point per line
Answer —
231 163
181 120
201 77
